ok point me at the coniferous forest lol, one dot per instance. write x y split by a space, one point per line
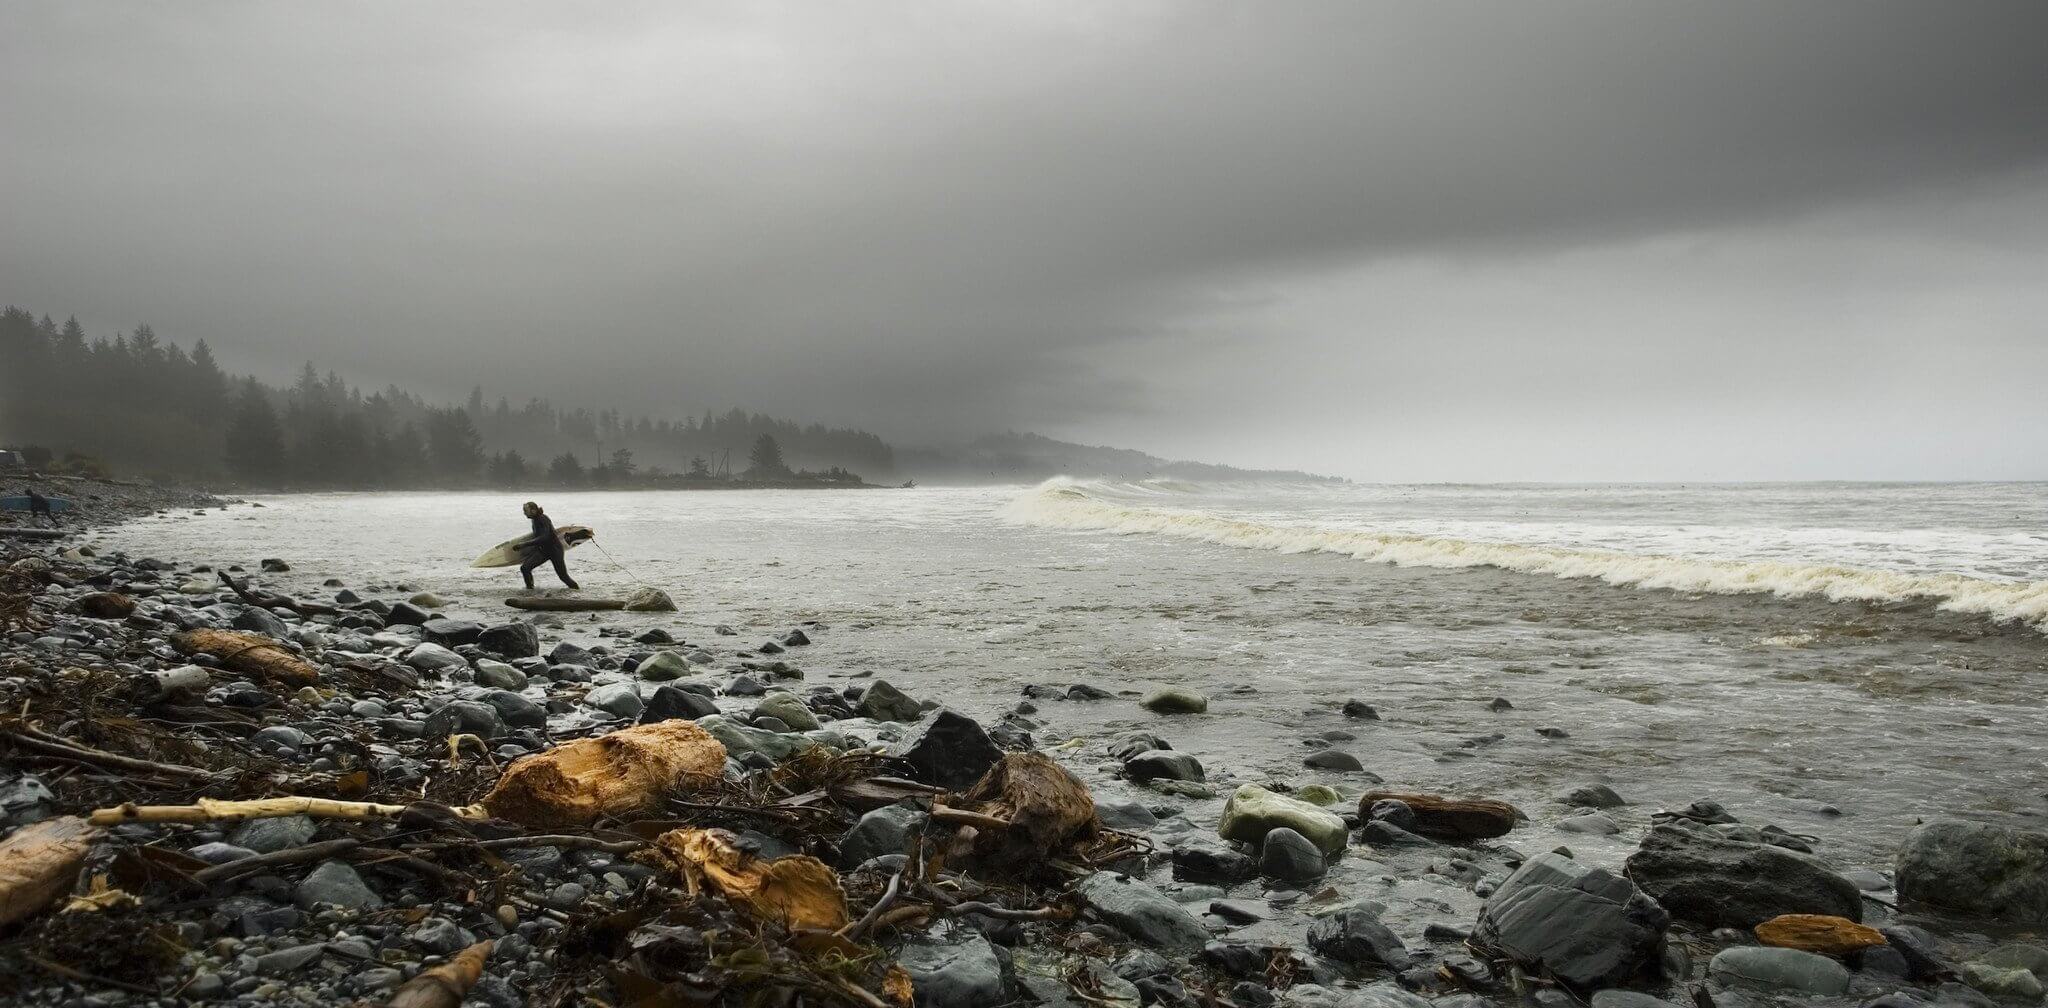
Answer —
141 405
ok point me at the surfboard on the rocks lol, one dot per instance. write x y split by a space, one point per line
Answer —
506 554
19 502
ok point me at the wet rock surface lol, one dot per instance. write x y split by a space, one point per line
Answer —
1235 897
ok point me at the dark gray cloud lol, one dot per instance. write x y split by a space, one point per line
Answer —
937 218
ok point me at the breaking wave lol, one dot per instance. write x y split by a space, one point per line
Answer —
1068 504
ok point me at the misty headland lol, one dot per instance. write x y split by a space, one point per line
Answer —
143 405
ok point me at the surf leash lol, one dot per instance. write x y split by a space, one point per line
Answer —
630 576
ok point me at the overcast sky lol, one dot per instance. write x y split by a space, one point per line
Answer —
1425 240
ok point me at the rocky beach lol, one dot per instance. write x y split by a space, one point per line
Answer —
274 783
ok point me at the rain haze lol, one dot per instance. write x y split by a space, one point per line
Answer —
1442 241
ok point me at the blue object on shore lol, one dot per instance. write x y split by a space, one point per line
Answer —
20 503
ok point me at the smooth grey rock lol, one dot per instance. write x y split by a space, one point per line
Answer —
1780 968
498 675
1976 870
265 836
517 639
964 974
336 883
457 717
1356 937
1589 822
516 710
1377 995
1124 814
1717 882
1333 759
617 699
885 830
1290 857
1142 912
739 739
289 960
1598 796
261 621
2018 955
2003 982
663 666
884 702
1617 998
668 703
450 633
1587 926
1164 764
434 658
1195 861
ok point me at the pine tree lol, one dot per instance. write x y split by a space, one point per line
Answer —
453 444
255 443
766 458
565 470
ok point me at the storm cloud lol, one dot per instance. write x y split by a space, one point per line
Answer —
1444 240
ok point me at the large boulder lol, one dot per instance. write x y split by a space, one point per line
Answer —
1717 882
434 658
670 702
1164 763
1976 870
1252 812
451 633
947 749
663 666
1356 937
1142 912
787 708
884 702
510 640
1587 926
465 717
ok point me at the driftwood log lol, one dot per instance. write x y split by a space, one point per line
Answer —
272 600
1441 818
622 773
251 654
555 603
1038 809
446 985
39 863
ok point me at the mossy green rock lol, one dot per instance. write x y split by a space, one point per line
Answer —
785 707
1253 812
1175 701
1318 794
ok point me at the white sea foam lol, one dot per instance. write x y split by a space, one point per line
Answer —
1068 504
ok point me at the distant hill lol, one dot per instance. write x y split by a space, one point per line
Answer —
1028 458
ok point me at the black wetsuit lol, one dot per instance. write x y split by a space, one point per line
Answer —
546 547
39 507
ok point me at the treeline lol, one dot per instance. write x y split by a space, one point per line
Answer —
141 404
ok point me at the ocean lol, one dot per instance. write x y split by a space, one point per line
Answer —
1839 659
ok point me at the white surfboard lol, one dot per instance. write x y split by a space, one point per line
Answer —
506 554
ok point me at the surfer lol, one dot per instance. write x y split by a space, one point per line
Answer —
546 546
39 507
